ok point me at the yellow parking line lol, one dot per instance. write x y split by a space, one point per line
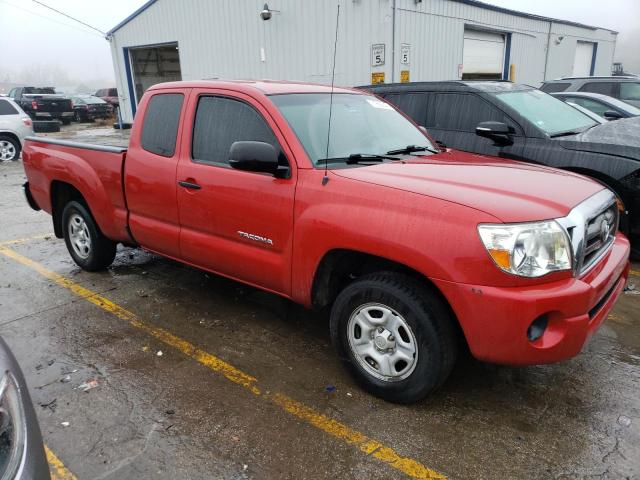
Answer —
27 239
635 273
410 467
57 468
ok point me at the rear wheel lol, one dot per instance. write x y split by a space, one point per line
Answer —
396 336
9 148
88 247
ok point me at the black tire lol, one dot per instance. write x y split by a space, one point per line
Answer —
77 116
66 121
11 142
100 252
429 319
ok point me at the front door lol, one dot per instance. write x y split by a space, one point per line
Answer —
233 222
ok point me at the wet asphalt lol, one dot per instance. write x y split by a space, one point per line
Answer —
165 415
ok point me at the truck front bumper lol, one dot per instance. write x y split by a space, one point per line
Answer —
495 320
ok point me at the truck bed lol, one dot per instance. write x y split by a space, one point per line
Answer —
95 170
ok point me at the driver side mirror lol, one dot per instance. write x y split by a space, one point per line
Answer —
612 115
255 157
500 133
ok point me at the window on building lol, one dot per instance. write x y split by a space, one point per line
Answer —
630 91
160 127
462 112
6 108
222 121
605 88
554 87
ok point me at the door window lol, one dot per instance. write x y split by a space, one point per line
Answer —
630 91
160 127
592 105
413 104
462 112
605 88
555 87
222 121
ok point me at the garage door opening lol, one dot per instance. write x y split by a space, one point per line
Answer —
151 65
483 55
583 60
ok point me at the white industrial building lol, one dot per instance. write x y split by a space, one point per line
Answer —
378 40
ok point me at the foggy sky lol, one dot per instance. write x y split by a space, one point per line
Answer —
37 44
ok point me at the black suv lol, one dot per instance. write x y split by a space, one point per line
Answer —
43 103
519 122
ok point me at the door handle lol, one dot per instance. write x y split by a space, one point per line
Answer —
192 186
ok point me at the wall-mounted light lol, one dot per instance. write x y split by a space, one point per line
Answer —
559 40
266 12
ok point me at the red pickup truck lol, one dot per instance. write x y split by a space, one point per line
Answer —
413 248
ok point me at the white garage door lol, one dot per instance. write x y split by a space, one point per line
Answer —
483 55
582 60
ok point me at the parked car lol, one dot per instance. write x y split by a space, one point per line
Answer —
602 105
522 123
593 116
407 244
89 107
15 125
43 103
626 89
109 95
22 455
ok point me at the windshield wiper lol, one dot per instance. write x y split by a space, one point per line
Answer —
357 158
411 149
564 134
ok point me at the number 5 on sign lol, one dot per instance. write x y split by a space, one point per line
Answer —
405 54
377 54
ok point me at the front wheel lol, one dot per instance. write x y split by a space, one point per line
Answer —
396 336
88 247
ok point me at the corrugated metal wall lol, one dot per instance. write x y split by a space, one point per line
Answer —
227 39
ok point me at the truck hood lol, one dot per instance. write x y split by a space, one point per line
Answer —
510 191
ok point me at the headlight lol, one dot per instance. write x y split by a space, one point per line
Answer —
12 428
527 249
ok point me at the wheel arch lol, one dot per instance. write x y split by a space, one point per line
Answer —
339 267
62 193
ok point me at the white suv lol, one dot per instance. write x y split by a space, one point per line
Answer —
15 125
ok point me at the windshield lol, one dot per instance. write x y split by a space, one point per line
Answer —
42 91
548 113
359 124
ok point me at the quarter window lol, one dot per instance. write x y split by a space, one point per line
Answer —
222 121
160 127
605 88
6 108
629 91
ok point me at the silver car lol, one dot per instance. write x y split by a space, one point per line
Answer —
14 126
22 455
626 89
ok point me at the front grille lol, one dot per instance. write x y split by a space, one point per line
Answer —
600 232
592 227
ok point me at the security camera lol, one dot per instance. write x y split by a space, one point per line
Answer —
265 14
